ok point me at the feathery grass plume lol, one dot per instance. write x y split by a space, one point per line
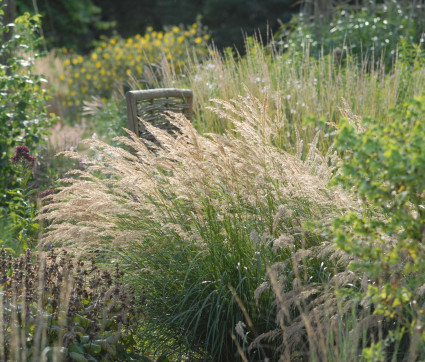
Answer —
195 214
187 168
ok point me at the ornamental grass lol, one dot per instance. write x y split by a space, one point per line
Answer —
199 220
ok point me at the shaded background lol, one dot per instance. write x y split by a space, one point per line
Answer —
77 23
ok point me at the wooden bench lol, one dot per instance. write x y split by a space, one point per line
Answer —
150 106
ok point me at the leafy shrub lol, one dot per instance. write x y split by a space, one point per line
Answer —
370 31
198 220
22 228
59 307
23 118
384 165
116 59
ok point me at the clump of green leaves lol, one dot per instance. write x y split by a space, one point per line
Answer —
55 306
384 164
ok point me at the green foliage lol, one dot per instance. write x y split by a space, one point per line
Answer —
65 308
372 32
384 165
22 227
73 24
23 118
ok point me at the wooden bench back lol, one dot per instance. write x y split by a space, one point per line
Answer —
152 103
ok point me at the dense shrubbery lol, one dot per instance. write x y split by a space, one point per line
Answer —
23 118
23 123
372 33
384 164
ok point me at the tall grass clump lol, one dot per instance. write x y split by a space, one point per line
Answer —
306 91
198 220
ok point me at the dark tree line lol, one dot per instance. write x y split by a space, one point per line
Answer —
77 23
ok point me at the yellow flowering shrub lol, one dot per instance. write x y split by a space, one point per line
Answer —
116 59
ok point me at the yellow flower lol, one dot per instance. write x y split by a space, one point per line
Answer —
186 33
113 41
83 70
194 26
206 37
102 71
69 103
160 35
149 29
70 81
98 64
77 102
94 56
193 31
88 76
128 71
106 55
198 40
80 59
76 75
61 77
66 62
73 93
83 90
180 39
158 43
75 61
130 40
176 29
